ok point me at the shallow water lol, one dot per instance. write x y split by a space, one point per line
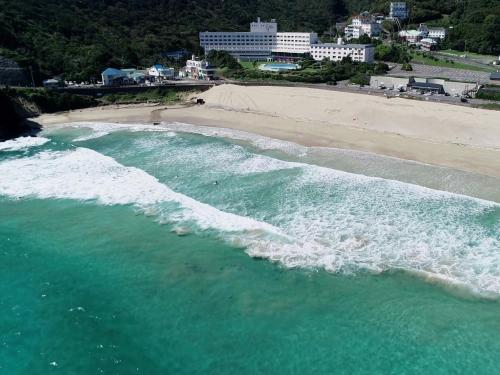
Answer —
128 252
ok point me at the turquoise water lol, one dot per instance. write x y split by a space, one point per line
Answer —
276 67
143 250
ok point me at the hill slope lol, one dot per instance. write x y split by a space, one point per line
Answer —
80 37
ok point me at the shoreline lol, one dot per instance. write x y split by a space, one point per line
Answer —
463 138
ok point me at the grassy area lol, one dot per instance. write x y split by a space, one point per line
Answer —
470 54
249 65
446 64
488 94
159 95
492 106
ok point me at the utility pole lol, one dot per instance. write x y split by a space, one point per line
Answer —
32 79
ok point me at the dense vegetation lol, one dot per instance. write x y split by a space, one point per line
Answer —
78 38
488 93
157 95
48 101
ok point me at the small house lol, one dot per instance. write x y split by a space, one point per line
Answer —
160 72
428 44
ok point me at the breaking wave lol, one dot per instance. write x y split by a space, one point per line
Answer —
318 218
22 143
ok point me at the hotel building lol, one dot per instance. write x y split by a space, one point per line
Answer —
263 41
336 52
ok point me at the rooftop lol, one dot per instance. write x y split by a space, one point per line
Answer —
335 45
411 33
113 72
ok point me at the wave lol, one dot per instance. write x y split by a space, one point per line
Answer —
261 142
258 141
319 218
22 143
84 174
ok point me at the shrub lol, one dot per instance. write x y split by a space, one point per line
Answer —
361 79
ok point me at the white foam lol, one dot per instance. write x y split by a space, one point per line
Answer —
22 143
101 129
84 174
346 223
94 135
222 159
327 219
261 142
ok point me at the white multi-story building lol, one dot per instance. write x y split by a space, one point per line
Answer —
398 10
336 52
364 24
415 36
261 42
437 33
352 31
198 69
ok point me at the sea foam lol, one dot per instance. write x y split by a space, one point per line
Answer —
22 143
317 218
84 174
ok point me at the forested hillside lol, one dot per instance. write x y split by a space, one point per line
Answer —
80 37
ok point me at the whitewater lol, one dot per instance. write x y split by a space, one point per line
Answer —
210 181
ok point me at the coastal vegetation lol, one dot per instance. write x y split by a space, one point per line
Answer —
490 106
489 93
157 95
47 101
77 39
392 53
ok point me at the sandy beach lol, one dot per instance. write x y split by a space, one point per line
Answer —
440 134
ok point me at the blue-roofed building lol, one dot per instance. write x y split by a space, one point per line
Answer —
113 77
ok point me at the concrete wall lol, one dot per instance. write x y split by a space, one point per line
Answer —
390 82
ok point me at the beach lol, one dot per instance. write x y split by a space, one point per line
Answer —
447 135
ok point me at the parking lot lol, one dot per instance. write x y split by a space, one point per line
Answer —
429 71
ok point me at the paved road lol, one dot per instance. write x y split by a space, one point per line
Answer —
461 75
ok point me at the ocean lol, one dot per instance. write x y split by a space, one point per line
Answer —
176 249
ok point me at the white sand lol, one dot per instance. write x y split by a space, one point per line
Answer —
442 134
